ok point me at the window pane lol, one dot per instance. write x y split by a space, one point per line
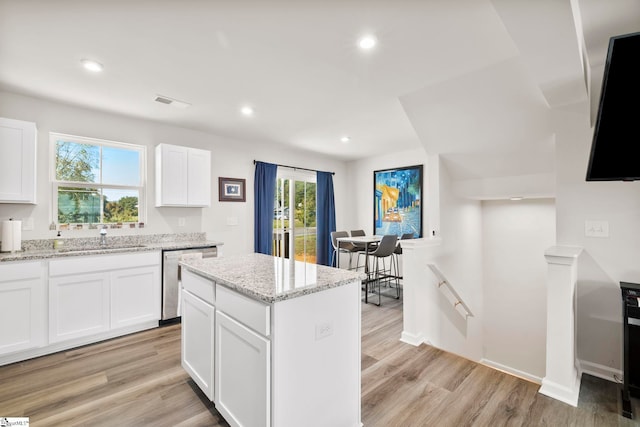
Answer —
310 203
120 166
305 221
77 162
281 210
78 205
121 205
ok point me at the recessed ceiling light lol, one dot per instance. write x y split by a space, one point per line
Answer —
516 198
92 65
247 111
345 139
367 42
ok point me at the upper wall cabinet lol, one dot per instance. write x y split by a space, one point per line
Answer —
183 176
17 161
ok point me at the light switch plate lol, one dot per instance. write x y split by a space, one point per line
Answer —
594 228
232 220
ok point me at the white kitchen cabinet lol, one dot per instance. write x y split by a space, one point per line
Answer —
242 377
96 294
183 176
23 306
78 306
135 296
82 300
198 320
198 177
17 161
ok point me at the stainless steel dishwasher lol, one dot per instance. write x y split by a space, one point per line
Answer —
171 278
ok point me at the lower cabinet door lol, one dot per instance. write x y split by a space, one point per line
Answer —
78 306
242 379
135 296
23 308
198 319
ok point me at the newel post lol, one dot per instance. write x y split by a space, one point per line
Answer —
562 377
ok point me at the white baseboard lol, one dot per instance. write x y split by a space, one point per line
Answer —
413 339
509 370
566 394
601 371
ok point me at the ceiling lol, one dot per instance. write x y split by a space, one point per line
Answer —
476 81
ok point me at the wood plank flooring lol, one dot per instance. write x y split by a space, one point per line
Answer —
137 381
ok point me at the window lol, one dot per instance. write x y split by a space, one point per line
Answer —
97 181
294 215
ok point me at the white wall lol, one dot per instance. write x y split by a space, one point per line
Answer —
605 261
230 158
460 259
360 184
458 222
515 235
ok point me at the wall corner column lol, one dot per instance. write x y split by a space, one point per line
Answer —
417 296
562 377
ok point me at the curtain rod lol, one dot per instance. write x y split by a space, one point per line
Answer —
295 167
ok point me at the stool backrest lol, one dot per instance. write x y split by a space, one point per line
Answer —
335 235
386 246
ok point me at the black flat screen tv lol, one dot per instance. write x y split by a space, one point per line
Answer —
615 150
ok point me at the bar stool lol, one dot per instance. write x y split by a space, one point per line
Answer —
360 249
345 248
385 249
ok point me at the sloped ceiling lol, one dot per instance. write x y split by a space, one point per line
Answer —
475 81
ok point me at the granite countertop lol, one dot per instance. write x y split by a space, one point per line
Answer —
270 279
43 249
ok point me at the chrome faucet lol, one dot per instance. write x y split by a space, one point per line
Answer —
103 236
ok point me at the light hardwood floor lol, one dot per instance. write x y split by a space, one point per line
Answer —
137 381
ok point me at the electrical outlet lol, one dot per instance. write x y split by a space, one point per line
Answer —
324 330
182 222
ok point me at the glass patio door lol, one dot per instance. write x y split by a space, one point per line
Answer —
294 216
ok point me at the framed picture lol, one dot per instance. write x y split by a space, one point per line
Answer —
231 189
397 201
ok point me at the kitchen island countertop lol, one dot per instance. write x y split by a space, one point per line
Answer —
270 279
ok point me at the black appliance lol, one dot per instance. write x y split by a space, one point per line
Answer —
617 130
631 328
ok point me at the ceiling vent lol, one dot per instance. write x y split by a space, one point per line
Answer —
173 102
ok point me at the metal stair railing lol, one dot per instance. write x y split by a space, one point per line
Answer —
450 293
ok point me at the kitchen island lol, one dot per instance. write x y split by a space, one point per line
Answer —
273 342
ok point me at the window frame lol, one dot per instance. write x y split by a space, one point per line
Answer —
56 184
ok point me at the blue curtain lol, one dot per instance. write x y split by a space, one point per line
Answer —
264 190
325 217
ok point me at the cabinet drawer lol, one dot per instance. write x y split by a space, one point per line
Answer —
102 262
250 312
13 271
199 286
